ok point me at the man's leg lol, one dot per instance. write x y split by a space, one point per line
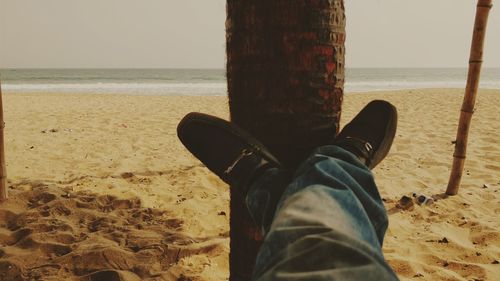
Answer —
329 223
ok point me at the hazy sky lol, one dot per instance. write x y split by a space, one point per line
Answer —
190 33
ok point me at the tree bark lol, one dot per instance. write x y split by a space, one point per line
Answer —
285 72
475 63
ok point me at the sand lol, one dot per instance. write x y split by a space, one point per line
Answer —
101 189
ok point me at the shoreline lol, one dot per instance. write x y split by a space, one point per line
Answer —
117 93
213 81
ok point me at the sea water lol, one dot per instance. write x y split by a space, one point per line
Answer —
213 81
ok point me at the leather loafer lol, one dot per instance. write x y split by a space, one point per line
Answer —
225 149
370 134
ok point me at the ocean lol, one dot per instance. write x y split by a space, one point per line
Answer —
212 81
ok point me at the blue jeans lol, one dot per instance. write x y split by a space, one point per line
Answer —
327 224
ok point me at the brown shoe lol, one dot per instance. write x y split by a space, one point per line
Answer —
227 150
370 134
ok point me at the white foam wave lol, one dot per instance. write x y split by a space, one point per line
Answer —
365 86
127 88
218 88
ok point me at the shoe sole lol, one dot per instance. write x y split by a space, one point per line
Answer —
390 133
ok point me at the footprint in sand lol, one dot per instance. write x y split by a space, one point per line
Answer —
9 270
83 236
132 178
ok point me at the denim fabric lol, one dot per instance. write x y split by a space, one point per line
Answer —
329 222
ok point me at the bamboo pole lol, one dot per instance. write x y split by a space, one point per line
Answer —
475 63
3 174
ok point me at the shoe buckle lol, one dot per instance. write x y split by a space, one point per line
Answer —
368 146
244 153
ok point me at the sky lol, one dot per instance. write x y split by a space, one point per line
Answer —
190 33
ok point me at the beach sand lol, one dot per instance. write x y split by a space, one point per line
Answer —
101 189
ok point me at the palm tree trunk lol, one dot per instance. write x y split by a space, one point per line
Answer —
285 72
